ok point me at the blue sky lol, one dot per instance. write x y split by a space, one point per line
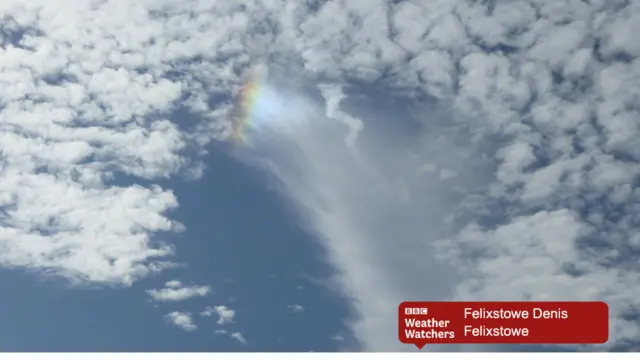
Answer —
392 150
258 261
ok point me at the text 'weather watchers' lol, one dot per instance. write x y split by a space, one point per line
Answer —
422 323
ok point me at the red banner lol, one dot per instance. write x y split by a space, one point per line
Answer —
422 323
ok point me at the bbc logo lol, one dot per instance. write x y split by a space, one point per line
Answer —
416 311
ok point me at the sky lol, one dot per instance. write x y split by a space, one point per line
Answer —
279 175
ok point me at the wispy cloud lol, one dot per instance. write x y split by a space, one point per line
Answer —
238 336
296 308
529 127
349 188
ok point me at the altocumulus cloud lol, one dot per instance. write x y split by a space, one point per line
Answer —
546 92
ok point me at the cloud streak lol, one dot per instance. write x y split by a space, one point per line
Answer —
544 95
239 337
367 200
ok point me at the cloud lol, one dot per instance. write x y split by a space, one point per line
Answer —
351 191
532 98
544 95
296 308
182 320
225 314
173 284
79 113
173 292
238 336
234 335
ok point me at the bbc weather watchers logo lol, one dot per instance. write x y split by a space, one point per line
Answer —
416 311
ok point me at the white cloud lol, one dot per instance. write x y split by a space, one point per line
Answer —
77 110
551 87
182 320
225 314
173 284
173 292
238 336
351 198
538 84
296 308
